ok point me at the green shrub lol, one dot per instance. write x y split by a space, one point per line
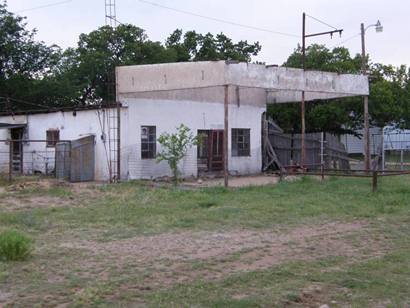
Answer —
14 246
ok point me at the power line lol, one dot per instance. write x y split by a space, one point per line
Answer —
346 40
23 102
218 20
44 6
322 22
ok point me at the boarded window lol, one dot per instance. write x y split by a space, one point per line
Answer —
241 142
148 142
53 136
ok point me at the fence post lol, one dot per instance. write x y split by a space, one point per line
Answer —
10 160
322 155
401 160
383 154
374 181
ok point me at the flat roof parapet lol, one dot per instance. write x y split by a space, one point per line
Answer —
192 75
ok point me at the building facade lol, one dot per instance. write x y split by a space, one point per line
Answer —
207 97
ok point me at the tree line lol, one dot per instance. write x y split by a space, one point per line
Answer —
34 75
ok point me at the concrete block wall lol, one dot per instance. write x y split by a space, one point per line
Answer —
166 115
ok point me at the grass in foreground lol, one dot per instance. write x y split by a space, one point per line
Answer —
109 213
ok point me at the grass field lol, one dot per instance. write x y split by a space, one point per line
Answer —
298 244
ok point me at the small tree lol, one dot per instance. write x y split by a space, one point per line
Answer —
174 148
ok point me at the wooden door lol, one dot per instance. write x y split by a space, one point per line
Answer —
216 153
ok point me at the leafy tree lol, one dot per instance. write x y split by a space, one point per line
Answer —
388 101
197 47
25 65
337 116
89 67
174 148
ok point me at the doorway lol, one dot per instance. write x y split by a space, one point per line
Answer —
210 151
17 134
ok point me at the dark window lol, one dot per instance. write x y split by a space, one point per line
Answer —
148 142
53 136
241 142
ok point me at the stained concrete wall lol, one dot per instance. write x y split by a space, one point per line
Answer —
70 126
284 81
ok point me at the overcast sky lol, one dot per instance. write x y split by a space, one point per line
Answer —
62 24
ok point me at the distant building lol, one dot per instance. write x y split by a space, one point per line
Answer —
355 144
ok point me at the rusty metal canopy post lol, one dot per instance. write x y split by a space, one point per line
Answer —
225 145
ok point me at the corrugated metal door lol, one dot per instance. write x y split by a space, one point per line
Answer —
63 150
82 159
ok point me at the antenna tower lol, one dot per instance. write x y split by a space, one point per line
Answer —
110 13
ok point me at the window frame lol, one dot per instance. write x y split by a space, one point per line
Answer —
150 141
52 137
240 142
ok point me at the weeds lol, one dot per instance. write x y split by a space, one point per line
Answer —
14 246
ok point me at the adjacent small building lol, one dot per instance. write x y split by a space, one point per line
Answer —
223 101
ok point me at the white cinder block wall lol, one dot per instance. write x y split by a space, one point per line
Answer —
166 115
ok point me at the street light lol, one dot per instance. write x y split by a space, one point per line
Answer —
379 28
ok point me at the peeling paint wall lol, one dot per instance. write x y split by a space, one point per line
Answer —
70 126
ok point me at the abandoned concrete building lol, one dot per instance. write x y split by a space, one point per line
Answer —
208 97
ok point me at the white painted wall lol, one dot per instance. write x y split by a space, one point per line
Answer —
71 127
166 115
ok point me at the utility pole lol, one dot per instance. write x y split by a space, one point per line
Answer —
366 135
302 105
303 121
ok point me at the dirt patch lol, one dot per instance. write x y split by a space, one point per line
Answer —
12 204
205 245
181 257
242 181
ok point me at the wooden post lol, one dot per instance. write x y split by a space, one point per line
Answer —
322 155
225 145
374 181
11 161
302 105
401 160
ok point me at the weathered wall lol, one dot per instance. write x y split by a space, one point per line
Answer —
286 81
70 127
166 115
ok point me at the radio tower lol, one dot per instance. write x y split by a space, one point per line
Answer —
113 114
110 13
